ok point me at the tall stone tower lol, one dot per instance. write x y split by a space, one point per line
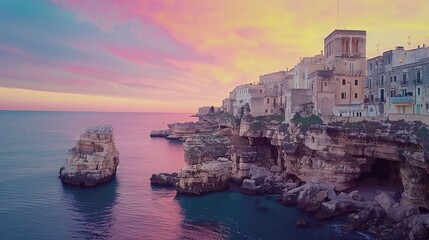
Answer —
345 53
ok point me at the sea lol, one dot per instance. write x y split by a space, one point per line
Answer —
34 204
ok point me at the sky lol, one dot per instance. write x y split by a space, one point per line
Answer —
174 56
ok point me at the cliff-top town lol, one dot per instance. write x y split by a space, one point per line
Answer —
342 82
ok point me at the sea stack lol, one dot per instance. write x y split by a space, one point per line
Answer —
93 160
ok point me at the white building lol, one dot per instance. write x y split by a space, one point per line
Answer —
303 69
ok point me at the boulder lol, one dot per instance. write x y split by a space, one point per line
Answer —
290 199
355 196
258 174
364 218
273 184
384 200
93 160
249 187
312 196
339 206
400 211
164 179
416 227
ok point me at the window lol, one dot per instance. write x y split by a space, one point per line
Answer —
266 110
268 100
394 78
382 80
419 75
418 91
369 82
356 95
370 66
260 90
404 78
344 81
272 111
356 82
326 84
343 95
391 79
352 68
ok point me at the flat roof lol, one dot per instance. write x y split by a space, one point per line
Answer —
349 32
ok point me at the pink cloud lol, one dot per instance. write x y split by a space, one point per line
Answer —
13 50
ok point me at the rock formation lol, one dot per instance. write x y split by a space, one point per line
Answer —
93 160
164 179
265 155
181 131
208 170
161 133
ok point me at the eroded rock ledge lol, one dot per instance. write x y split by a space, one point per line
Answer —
309 163
93 160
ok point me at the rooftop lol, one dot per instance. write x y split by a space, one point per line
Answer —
346 32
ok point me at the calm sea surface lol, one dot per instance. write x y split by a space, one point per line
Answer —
35 205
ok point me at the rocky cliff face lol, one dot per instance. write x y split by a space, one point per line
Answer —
181 131
93 160
267 156
207 168
340 155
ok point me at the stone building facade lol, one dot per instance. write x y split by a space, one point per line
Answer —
340 86
304 68
253 94
276 84
398 81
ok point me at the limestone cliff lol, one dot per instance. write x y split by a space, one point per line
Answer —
265 155
207 168
93 160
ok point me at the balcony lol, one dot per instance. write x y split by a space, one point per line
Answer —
355 73
408 100
377 100
418 81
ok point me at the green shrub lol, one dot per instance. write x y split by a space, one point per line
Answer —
269 118
305 122
255 126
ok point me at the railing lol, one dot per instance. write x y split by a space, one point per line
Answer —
404 82
402 100
418 81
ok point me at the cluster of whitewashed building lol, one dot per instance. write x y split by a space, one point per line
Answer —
342 82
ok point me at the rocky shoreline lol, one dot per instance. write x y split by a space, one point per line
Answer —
312 165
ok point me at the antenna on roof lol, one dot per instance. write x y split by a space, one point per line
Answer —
378 50
338 13
409 42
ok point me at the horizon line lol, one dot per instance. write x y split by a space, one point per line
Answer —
85 111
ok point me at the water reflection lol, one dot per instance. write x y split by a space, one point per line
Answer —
92 210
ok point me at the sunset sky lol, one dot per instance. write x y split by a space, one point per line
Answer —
173 56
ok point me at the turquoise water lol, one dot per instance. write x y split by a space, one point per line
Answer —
35 205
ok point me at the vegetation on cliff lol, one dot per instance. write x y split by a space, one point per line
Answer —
305 122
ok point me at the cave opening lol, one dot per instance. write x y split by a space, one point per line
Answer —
274 152
381 176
